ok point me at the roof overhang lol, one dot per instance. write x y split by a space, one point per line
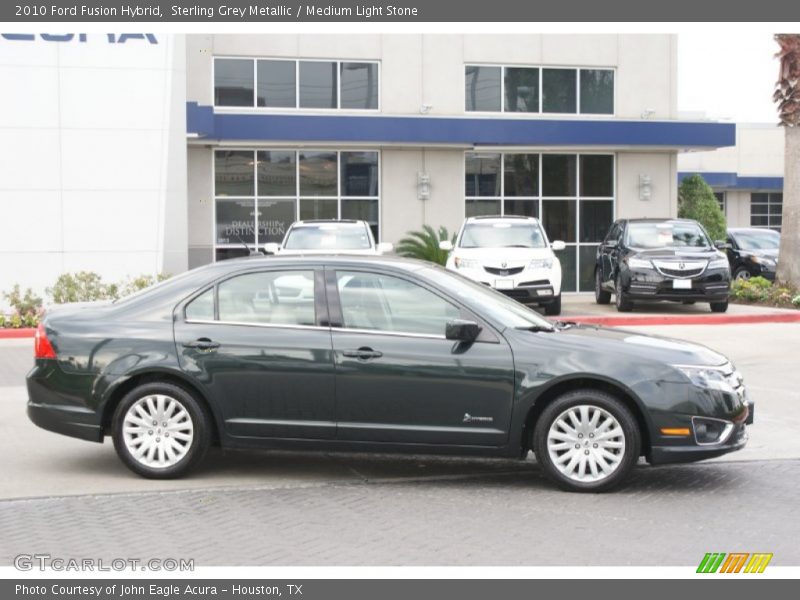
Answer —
206 125
725 180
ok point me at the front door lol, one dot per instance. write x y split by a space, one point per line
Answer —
399 380
257 344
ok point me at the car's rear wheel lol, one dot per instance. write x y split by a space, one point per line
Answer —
587 441
160 431
553 308
719 307
621 300
601 296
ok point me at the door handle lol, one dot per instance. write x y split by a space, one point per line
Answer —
362 353
202 344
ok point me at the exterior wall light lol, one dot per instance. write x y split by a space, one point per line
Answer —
423 186
645 187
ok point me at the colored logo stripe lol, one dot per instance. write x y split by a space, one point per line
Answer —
716 561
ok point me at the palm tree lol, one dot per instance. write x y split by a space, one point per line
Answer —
787 96
424 244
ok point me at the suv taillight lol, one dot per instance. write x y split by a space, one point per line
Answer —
42 348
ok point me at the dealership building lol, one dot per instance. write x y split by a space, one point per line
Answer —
747 178
140 153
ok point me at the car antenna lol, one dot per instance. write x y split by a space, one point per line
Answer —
250 251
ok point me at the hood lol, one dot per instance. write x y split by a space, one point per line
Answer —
495 257
617 342
765 252
679 253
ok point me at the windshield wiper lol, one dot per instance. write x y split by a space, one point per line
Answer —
538 329
516 246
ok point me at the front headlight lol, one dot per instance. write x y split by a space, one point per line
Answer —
466 263
541 263
708 378
639 263
719 263
764 260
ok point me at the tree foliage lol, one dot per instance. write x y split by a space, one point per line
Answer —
696 201
424 244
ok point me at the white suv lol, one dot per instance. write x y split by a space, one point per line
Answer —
328 237
512 255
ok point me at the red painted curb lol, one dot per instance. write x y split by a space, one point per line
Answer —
711 319
12 334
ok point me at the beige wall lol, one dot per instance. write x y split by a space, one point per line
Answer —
737 209
663 190
758 151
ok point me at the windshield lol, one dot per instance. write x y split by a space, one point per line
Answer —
757 240
675 234
503 235
328 237
488 302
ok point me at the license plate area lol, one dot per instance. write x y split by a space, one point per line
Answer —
504 284
681 284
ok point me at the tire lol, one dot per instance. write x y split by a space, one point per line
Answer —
188 422
601 296
553 308
549 438
622 302
719 307
741 274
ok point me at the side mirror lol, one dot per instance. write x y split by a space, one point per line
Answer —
611 244
558 245
462 330
384 248
722 245
446 245
272 248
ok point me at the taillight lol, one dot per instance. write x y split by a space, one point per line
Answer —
42 348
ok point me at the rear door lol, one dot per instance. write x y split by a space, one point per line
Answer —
399 380
259 343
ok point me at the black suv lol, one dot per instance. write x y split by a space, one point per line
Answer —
661 259
753 252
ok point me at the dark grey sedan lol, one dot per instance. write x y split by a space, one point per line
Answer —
374 354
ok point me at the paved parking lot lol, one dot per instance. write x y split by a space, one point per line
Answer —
74 498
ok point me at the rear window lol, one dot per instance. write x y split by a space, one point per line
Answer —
328 237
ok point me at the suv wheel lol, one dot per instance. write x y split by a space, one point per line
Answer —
553 308
719 307
160 431
742 274
622 302
587 441
601 296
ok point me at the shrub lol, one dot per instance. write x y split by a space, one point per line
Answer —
696 201
424 244
135 284
755 289
24 304
796 300
84 286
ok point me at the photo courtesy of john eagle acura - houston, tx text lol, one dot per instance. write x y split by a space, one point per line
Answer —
375 354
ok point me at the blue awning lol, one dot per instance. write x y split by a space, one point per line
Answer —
732 181
204 122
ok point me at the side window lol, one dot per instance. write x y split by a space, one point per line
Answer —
387 303
202 307
274 298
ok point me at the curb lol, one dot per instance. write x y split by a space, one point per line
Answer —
712 319
15 334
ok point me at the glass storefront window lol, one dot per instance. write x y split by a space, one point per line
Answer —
362 210
236 221
766 210
597 91
276 173
576 209
359 175
311 208
482 88
318 175
233 82
233 173
318 84
274 218
276 83
521 90
559 91
359 85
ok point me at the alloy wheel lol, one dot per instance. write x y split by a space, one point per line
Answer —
586 443
158 431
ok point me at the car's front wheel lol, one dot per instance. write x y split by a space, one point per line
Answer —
741 274
719 307
587 441
160 431
621 300
553 308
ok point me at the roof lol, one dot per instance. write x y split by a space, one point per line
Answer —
500 218
343 260
657 220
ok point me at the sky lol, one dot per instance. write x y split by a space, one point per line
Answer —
728 77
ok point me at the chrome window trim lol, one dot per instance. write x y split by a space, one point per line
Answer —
252 324
410 334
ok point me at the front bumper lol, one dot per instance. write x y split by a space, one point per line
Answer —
531 286
663 455
649 284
